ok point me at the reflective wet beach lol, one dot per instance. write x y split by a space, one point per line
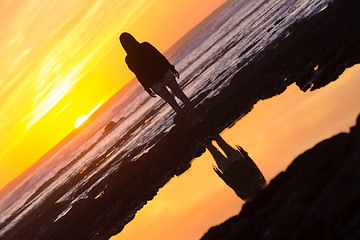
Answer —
273 133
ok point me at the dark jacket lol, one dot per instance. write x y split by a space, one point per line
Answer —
148 64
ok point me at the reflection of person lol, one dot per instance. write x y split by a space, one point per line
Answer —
237 169
155 74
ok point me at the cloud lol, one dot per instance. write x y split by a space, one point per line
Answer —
46 49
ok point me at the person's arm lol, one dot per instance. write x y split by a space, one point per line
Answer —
176 73
147 89
132 68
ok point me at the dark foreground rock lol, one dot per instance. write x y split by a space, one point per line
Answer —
317 197
328 42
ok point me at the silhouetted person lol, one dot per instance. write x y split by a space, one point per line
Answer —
237 169
155 74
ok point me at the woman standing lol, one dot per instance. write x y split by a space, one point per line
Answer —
155 74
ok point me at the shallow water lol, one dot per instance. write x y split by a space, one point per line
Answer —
275 132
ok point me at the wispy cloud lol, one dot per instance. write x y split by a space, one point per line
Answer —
47 47
61 110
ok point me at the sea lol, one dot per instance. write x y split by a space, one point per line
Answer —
238 31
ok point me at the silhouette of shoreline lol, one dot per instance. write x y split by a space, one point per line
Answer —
327 42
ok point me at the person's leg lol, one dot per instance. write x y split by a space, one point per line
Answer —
175 88
221 161
228 150
166 95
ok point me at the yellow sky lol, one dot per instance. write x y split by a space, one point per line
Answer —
61 59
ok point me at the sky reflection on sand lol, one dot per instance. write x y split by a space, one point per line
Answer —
275 132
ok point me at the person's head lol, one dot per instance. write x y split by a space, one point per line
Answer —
128 42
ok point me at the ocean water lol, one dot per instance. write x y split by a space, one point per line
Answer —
248 27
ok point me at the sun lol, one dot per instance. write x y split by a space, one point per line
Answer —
81 120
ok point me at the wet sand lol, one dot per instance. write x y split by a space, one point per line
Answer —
311 53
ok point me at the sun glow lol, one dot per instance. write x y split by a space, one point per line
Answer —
57 53
83 118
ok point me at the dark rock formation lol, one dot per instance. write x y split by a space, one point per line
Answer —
110 126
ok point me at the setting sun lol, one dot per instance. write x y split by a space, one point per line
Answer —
81 120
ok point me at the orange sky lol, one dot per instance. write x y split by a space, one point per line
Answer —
59 60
